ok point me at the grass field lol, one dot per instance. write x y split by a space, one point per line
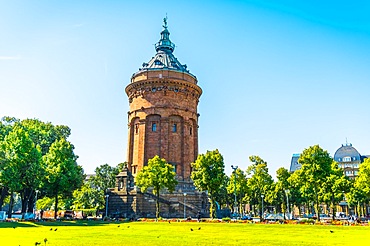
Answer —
178 233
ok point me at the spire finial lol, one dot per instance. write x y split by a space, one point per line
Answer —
165 21
165 43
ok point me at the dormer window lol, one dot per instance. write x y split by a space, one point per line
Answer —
157 62
347 159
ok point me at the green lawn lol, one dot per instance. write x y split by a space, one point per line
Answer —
178 233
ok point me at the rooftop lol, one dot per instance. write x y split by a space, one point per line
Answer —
164 58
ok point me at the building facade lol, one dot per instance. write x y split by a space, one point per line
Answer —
163 120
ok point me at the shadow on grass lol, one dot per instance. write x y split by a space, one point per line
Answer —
57 223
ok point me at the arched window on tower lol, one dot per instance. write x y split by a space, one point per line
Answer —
136 128
154 127
174 127
191 131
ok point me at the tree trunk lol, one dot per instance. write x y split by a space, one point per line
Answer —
56 205
24 203
31 203
4 193
212 209
317 208
10 205
157 204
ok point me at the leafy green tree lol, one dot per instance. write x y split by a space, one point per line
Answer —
238 183
6 126
120 167
159 175
45 134
88 197
295 195
260 182
208 175
282 188
360 192
104 178
332 189
63 175
363 179
315 169
20 165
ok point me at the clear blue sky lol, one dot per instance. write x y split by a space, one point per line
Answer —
277 76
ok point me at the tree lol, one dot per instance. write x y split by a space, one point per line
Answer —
238 184
20 165
63 175
104 178
88 197
260 183
159 175
6 126
44 134
281 188
296 196
360 192
208 175
333 188
315 168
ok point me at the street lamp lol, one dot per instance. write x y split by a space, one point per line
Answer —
106 205
262 196
287 201
185 205
235 204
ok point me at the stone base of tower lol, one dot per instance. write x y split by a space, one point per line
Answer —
127 201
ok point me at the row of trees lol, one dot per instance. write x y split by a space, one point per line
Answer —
319 181
36 158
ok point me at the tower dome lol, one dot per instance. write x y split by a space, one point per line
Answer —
164 58
347 153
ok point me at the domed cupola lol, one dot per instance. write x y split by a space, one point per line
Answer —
347 153
164 58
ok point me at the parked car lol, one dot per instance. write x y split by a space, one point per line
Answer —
246 217
68 214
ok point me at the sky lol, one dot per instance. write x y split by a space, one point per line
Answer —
277 76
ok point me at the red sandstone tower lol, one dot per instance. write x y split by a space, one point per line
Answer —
163 117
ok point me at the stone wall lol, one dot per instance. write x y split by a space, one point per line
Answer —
127 201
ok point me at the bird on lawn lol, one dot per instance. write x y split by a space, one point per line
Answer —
199 228
191 229
51 229
13 227
331 231
128 227
56 229
118 226
37 243
169 222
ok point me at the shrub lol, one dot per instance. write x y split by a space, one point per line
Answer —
226 219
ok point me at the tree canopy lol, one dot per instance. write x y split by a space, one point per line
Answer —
208 175
63 175
158 174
